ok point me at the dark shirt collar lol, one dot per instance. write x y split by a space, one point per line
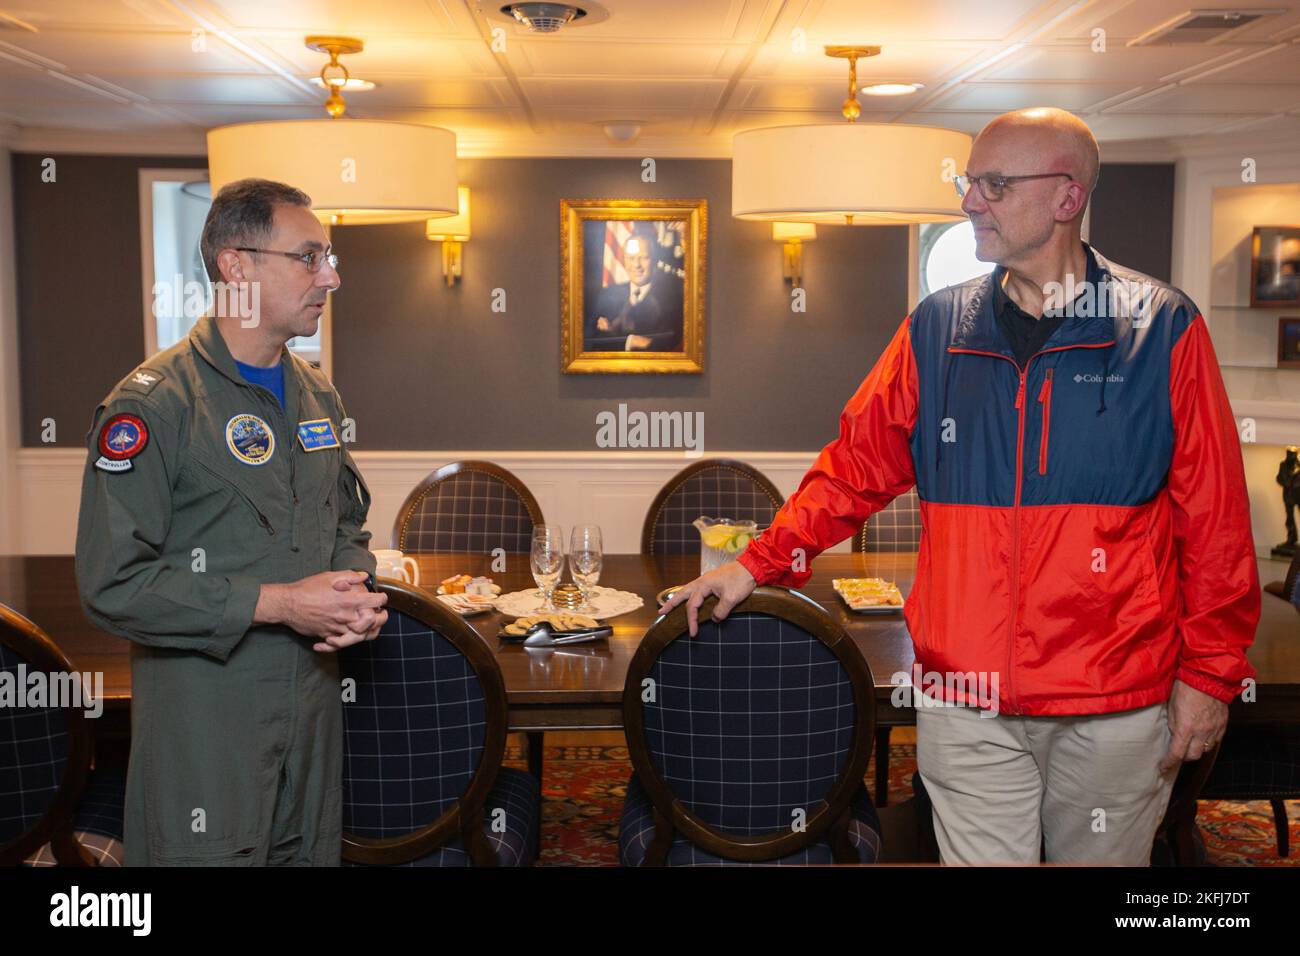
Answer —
1001 300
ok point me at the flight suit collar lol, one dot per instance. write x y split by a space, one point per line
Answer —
209 343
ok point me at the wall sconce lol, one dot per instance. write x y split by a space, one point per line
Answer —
794 235
451 231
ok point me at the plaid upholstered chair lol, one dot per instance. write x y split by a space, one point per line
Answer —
467 506
1259 762
53 808
717 487
895 528
423 741
749 741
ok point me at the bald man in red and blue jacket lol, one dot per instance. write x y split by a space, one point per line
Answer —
1086 546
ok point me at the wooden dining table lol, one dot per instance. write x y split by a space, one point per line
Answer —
581 687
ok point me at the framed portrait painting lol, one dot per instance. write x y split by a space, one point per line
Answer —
1275 267
632 285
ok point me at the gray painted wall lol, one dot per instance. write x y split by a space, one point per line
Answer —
423 366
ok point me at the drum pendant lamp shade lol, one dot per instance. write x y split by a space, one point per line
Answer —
356 171
877 174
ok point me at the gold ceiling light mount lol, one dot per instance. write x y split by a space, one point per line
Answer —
334 75
851 108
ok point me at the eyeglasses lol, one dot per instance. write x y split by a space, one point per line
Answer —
312 260
991 186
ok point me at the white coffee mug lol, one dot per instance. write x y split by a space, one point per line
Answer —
394 564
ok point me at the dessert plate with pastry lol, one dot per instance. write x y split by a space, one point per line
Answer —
869 595
468 595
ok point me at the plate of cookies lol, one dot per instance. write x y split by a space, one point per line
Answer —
561 623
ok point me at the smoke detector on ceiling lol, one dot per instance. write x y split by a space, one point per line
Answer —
544 17
1202 26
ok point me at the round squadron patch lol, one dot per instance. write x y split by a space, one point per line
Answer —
121 438
250 439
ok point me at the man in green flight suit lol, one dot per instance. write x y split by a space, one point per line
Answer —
220 532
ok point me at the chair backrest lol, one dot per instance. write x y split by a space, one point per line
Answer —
467 506
752 737
1291 585
424 735
45 751
897 527
717 487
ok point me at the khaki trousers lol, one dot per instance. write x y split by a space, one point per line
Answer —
1088 787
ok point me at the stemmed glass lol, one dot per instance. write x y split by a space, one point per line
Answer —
547 560
586 558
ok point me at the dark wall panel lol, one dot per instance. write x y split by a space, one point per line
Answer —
1132 219
80 305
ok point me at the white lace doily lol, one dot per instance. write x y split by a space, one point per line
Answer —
607 601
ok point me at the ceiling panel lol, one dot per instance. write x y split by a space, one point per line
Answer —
134 52
348 17
419 92
1119 64
1207 98
1281 66
569 58
384 54
1012 96
46 14
853 21
236 88
624 96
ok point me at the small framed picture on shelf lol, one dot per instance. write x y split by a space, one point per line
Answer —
1275 267
1288 342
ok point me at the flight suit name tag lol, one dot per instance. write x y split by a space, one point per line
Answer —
317 435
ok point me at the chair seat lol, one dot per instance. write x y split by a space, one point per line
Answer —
98 825
1256 763
636 831
519 794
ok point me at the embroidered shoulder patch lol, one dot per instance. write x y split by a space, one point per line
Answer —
121 438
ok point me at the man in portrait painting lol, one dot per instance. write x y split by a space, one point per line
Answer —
643 314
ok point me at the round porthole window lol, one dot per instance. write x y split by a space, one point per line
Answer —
947 253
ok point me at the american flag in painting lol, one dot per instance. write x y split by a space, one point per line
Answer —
616 235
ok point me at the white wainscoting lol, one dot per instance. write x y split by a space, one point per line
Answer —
610 488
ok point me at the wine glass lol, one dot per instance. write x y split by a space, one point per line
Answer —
547 560
586 557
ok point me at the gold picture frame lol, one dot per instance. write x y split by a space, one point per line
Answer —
640 309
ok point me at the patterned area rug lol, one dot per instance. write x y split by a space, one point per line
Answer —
584 788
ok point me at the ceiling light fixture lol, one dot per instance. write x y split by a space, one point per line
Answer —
849 173
891 89
356 171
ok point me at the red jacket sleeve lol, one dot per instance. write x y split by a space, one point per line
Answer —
1219 594
856 475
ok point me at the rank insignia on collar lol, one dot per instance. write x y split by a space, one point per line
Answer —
250 439
317 435
121 438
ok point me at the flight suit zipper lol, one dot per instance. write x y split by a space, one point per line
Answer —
261 518
287 433
1023 374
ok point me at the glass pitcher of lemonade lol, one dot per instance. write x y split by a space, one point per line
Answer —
722 540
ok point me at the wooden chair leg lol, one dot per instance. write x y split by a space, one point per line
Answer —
882 766
1283 827
536 739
